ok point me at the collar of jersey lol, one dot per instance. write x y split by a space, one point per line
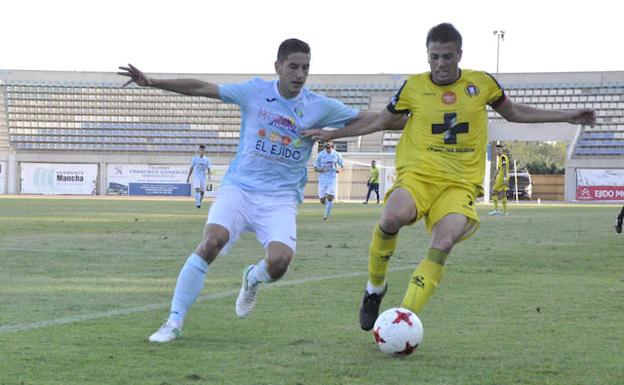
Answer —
280 97
445 85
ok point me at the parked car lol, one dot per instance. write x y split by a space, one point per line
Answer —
525 185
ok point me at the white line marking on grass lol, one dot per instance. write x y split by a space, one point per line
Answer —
6 329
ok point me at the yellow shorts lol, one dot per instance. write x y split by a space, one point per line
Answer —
434 201
499 185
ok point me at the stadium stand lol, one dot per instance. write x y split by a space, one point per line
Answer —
59 116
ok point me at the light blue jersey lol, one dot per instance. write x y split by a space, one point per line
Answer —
200 165
329 163
272 156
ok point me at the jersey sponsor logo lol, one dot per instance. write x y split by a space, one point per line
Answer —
449 97
271 100
472 90
276 120
277 150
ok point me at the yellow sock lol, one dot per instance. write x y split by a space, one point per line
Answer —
504 203
424 280
495 199
382 247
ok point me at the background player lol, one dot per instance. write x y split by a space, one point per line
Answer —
440 161
373 182
200 166
264 183
501 182
328 164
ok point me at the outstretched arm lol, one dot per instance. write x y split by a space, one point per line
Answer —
191 87
522 113
188 177
365 123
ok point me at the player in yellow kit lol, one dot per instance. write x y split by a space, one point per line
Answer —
501 182
440 162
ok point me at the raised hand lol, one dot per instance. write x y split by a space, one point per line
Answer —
585 117
135 75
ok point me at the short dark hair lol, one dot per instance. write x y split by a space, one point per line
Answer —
445 33
202 146
291 46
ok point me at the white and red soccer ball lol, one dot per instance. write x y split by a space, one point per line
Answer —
398 331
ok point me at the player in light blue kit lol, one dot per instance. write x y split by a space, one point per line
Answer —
328 164
263 186
200 166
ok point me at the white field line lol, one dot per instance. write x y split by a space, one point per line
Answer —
6 329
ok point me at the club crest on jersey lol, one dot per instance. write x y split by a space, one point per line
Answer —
472 90
299 112
449 97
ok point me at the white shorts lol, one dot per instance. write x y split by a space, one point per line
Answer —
271 218
327 189
199 183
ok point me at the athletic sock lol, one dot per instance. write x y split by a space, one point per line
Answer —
504 200
424 280
495 199
381 248
190 284
259 274
328 207
197 199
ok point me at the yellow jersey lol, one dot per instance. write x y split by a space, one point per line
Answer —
374 175
502 165
445 137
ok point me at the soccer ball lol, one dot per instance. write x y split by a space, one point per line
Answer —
398 331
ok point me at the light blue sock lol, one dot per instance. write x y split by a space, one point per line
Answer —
190 284
259 274
328 207
197 199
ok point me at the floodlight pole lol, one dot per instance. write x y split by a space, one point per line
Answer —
500 35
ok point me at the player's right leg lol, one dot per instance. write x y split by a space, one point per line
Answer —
224 225
400 210
619 220
191 281
495 193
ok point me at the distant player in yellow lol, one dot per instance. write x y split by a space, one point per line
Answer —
373 182
440 162
501 182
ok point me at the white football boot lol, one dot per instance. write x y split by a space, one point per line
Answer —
169 331
247 296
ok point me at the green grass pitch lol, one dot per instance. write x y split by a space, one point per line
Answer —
533 298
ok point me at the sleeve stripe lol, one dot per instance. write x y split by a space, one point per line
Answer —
395 99
498 101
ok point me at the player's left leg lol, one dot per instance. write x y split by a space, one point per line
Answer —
452 218
503 198
427 275
271 268
619 220
328 206
275 226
